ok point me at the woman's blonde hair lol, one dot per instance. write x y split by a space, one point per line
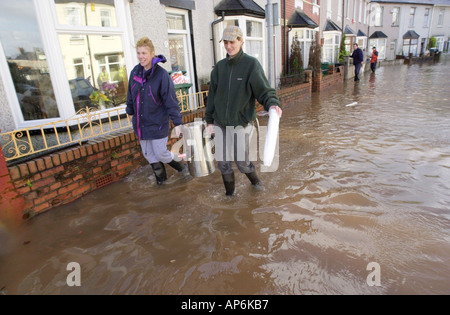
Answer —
145 42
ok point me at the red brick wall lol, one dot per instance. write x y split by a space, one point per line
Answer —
294 93
11 203
322 82
67 175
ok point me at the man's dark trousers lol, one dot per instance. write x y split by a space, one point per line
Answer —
373 66
357 69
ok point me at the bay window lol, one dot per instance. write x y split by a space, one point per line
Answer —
55 53
306 37
331 45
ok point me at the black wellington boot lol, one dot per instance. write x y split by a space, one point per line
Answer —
182 168
256 182
160 172
228 181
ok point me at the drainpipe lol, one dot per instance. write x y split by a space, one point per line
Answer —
269 21
368 27
343 18
430 26
285 50
212 35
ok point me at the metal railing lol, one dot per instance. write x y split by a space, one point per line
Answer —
190 102
88 123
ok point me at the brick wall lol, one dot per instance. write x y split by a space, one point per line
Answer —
296 92
69 174
321 82
11 202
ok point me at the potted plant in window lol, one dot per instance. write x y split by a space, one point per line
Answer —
99 99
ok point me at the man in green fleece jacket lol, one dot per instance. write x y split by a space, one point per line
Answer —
236 82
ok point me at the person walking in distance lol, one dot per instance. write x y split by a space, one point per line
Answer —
374 59
236 82
358 58
152 102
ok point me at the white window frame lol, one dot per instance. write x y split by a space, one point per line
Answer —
50 29
188 43
360 11
365 12
334 45
412 16
379 12
440 22
426 18
308 38
380 44
440 42
395 13
339 11
347 10
329 11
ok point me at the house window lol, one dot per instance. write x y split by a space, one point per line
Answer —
410 46
100 53
441 17
347 10
350 40
360 11
86 13
379 16
254 35
299 4
412 13
59 58
180 46
72 15
395 16
426 17
339 10
440 43
106 18
332 41
305 37
380 44
26 59
328 9
365 12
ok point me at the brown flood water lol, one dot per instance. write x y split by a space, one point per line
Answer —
356 184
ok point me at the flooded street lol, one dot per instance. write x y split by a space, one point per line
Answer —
357 184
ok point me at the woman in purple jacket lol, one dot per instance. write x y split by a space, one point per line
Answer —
152 102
